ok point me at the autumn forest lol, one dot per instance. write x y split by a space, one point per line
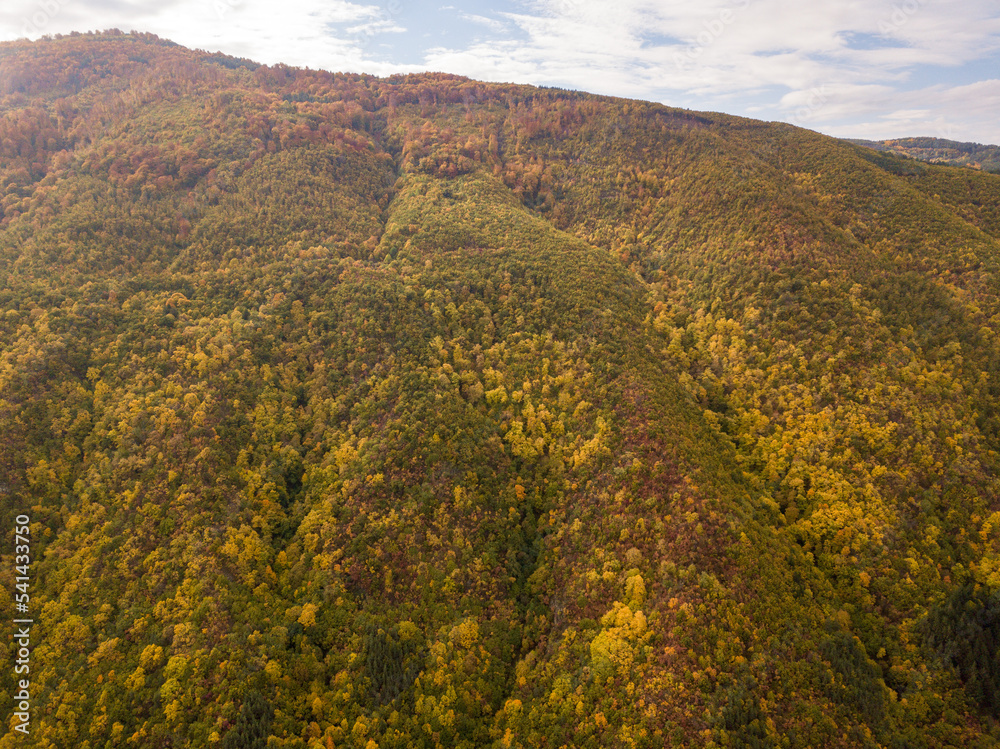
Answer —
422 412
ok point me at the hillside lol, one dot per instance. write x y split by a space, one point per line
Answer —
940 151
419 412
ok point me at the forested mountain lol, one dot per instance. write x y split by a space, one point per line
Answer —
940 151
420 412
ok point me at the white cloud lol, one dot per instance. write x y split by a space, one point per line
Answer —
966 112
490 23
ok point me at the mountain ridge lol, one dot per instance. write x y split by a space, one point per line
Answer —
939 151
430 412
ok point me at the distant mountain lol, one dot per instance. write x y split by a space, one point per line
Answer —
426 412
940 151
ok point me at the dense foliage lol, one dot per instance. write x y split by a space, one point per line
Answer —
419 412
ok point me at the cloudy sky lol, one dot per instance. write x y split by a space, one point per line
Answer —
852 68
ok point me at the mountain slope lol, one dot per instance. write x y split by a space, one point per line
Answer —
426 412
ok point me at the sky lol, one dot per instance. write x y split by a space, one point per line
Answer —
850 68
